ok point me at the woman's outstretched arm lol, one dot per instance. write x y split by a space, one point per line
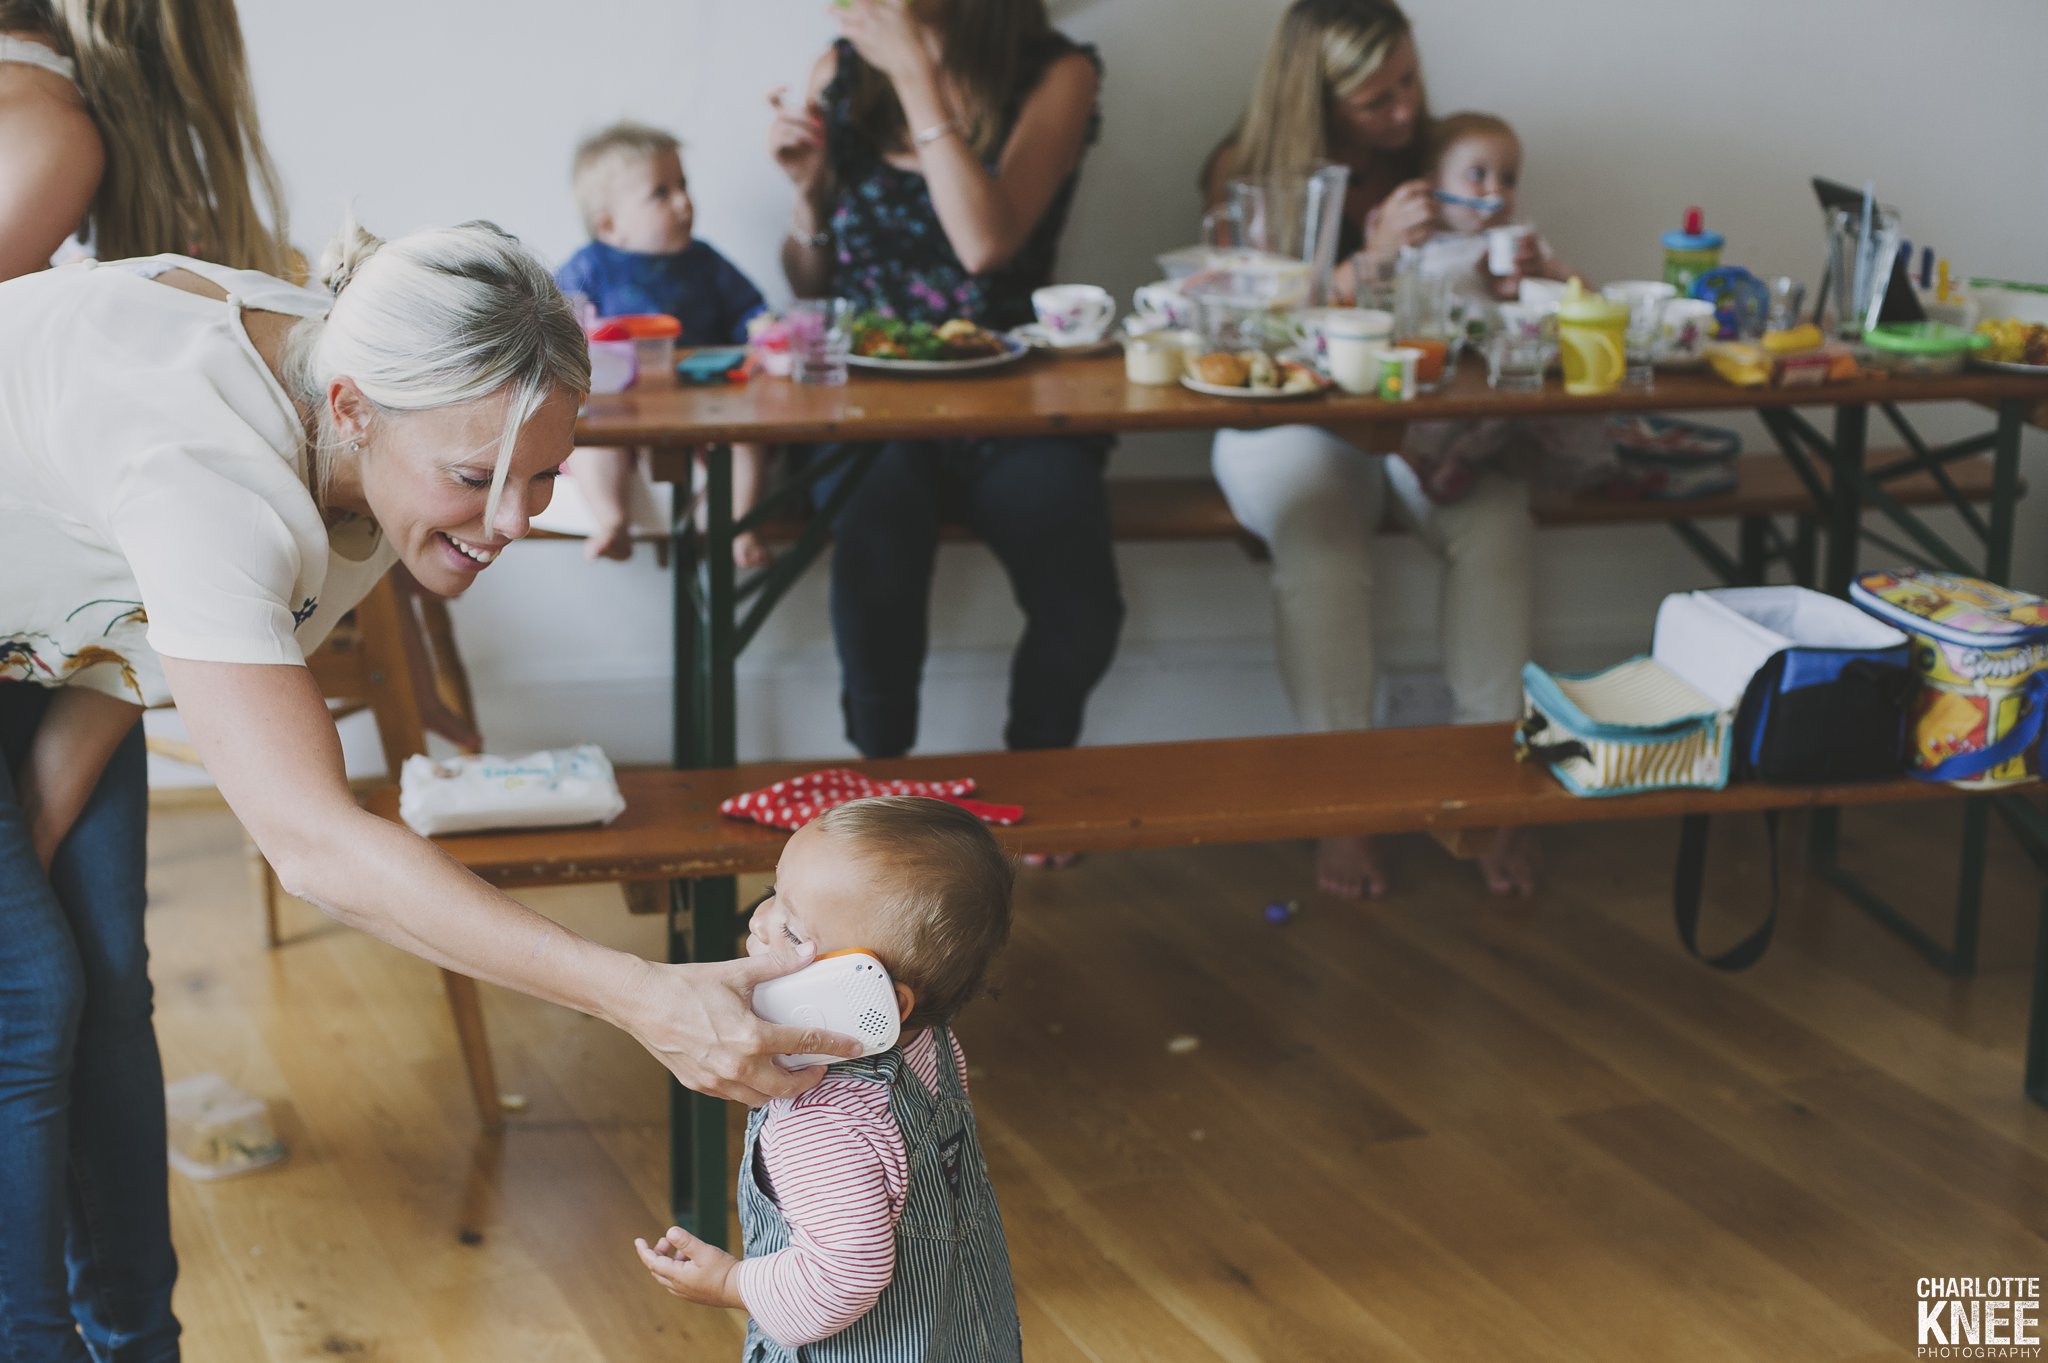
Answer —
270 746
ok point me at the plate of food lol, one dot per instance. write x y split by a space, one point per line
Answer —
959 346
1250 374
2015 319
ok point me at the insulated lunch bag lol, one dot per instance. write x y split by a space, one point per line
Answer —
1981 651
1775 683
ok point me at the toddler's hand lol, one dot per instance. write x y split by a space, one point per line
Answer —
748 551
690 1269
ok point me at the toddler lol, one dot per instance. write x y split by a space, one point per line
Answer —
642 258
870 1229
1473 163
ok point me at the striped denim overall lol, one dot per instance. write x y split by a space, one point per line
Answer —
950 1300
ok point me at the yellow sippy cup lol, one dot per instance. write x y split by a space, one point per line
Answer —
1590 329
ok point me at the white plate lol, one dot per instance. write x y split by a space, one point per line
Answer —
1017 350
1038 338
1217 390
2009 366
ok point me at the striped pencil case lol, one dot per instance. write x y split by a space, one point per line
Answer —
1633 727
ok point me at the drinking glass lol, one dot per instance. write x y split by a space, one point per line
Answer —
1517 353
820 338
1422 320
1645 299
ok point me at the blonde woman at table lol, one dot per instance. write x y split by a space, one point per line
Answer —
1342 82
935 156
127 127
201 469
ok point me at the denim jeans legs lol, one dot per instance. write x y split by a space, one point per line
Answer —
86 1266
1039 504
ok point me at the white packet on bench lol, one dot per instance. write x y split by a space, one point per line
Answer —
557 789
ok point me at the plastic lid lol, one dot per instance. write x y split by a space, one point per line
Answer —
1694 236
638 326
1923 338
1578 305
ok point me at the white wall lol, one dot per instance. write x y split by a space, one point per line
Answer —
424 111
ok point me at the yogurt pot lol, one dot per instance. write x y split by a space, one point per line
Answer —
1155 356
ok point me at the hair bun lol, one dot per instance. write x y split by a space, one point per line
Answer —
345 255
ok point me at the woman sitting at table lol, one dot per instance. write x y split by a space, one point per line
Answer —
935 157
127 128
1342 82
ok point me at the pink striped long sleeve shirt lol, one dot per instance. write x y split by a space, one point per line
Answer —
833 1159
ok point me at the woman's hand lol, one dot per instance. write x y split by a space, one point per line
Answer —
690 1269
1404 219
888 37
796 139
698 1020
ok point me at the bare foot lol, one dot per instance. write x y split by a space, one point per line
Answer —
1049 861
614 542
1509 862
1349 868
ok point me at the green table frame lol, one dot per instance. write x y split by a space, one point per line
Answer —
717 614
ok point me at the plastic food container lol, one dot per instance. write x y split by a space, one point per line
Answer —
216 1130
654 337
1921 349
1156 357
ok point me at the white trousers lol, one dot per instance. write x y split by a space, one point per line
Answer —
1316 501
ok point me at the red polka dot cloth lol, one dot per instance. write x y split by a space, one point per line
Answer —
793 803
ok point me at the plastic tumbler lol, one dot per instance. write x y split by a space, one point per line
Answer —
820 338
1592 341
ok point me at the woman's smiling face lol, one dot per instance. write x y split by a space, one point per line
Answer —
425 477
1383 112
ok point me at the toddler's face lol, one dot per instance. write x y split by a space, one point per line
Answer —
1481 166
823 894
650 209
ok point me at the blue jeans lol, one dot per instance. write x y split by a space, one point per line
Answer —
86 1266
1039 503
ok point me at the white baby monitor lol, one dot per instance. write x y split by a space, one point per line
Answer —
847 992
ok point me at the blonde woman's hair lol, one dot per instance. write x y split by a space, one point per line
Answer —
441 316
598 155
948 884
167 84
1324 50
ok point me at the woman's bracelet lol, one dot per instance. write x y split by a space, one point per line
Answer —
816 241
935 132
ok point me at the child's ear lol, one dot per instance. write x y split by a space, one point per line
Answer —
906 1000
601 225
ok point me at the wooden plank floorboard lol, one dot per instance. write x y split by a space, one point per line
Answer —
1438 1129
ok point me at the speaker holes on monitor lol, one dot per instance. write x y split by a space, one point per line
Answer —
874 1022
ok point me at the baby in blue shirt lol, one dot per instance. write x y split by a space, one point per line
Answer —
629 185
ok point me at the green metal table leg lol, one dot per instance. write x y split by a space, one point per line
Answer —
702 915
2037 1014
2005 491
1845 523
1755 554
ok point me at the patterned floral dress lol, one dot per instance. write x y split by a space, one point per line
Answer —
893 254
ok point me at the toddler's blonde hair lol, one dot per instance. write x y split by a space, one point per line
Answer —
600 154
949 884
1452 129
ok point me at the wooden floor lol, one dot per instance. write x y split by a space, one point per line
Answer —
1441 1128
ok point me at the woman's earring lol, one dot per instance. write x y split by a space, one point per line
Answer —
355 447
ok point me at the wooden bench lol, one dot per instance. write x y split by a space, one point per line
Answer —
1164 510
1437 780
1134 796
